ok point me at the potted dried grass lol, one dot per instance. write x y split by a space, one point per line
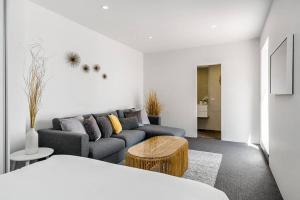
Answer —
153 106
34 82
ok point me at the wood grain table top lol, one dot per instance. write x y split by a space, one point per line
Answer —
157 147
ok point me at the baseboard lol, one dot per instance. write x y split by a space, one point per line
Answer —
266 155
208 130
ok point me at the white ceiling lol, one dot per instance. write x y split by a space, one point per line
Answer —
173 24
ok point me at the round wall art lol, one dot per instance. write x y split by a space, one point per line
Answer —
73 59
97 68
86 68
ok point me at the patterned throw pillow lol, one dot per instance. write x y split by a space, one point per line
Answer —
105 126
92 128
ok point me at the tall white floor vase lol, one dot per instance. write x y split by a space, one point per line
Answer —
32 142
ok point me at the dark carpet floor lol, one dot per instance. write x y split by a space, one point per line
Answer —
244 174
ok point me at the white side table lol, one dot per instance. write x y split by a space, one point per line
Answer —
20 156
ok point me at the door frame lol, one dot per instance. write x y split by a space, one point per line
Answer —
3 90
196 94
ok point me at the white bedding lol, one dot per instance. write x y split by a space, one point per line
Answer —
63 177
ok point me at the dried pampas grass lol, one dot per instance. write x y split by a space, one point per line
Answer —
153 107
34 81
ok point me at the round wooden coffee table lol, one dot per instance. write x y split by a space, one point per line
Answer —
165 154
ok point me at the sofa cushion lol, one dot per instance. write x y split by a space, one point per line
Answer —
105 126
92 128
156 130
105 147
131 137
129 123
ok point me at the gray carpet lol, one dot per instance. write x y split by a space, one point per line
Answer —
203 166
244 174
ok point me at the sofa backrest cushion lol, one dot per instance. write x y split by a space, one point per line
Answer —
105 114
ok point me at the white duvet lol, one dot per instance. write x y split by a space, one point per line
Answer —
63 177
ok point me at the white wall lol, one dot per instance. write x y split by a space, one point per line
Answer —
70 91
16 116
284 110
173 75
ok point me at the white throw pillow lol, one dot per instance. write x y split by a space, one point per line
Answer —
72 125
144 117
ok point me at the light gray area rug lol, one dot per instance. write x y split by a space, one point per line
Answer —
203 166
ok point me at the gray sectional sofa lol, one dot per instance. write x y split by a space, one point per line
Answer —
111 149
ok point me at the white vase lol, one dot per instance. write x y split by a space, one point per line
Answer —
32 142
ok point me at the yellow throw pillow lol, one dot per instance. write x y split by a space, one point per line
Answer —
115 124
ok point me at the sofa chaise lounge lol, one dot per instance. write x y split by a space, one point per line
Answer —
111 149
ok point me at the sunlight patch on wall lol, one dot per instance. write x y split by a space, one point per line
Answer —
264 110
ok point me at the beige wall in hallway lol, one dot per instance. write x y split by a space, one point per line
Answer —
202 83
213 122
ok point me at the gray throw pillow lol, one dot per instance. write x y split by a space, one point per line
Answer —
105 126
91 128
129 123
72 125
134 113
140 114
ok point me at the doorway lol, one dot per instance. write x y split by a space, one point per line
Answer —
209 101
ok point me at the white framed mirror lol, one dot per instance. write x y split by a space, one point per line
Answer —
282 68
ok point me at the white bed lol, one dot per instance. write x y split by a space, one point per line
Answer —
63 177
